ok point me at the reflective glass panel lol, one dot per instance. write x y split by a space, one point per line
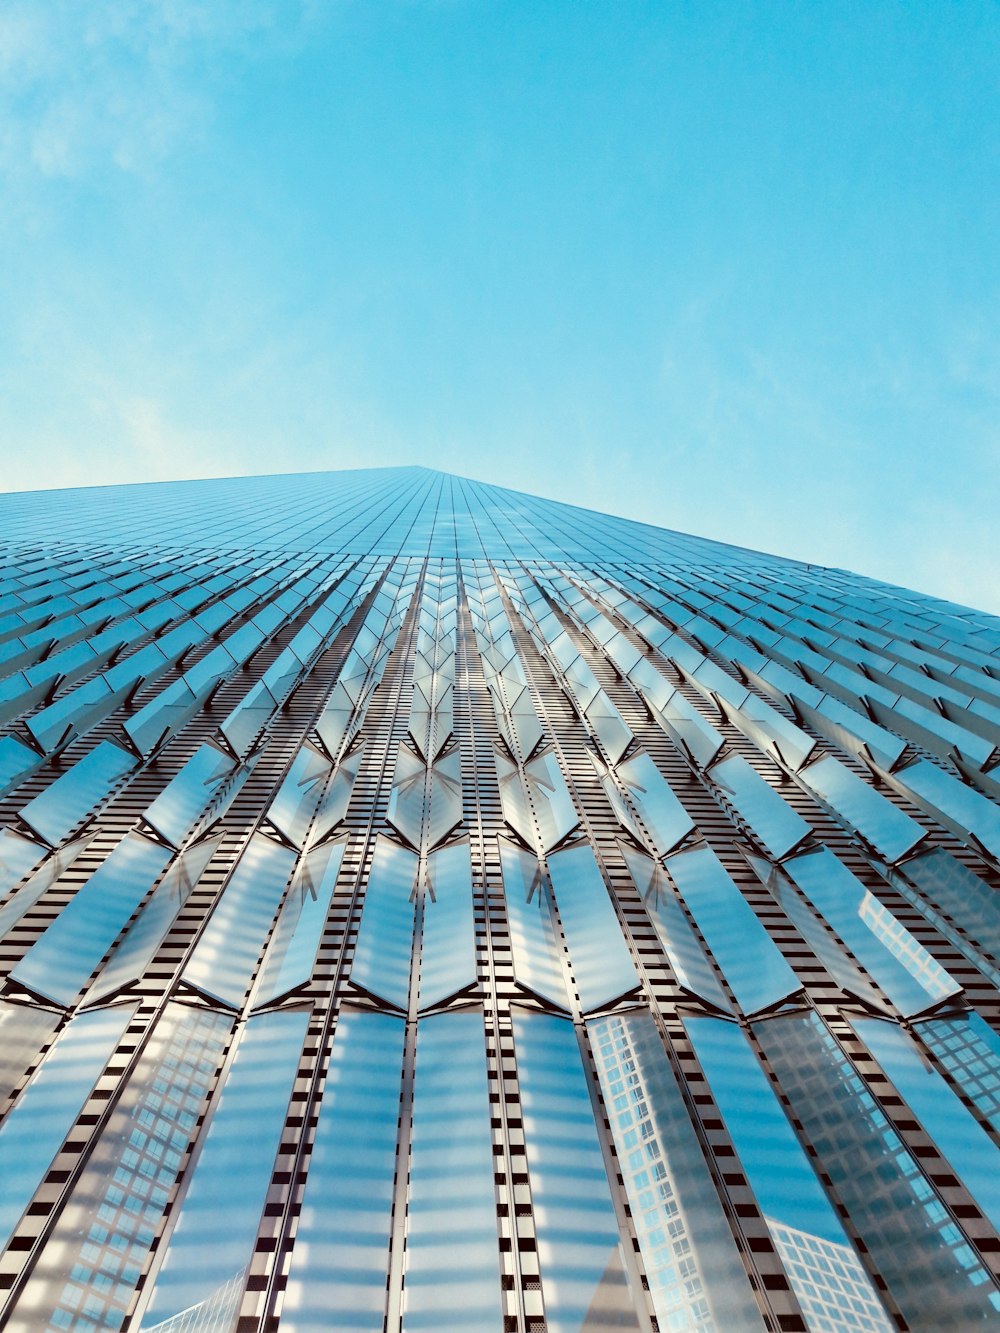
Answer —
696 1277
337 1277
931 1271
212 1239
292 810
776 825
224 959
750 960
452 1250
61 806
584 1284
448 946
970 1051
967 1146
23 1032
16 853
385 938
60 961
960 894
177 807
803 1223
295 942
891 832
45 1112
600 958
659 809
534 942
911 978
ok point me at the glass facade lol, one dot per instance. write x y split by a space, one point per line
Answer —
426 906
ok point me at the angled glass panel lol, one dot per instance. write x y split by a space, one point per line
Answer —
162 716
687 728
962 1140
444 813
15 760
17 856
212 1241
911 978
602 964
514 800
930 1269
960 894
534 942
103 1235
63 804
614 735
293 808
452 1277
175 810
406 802
851 731
584 1283
750 960
958 807
226 792
24 1030
696 1277
803 1223
384 948
776 825
688 959
554 810
336 799
970 1051
142 939
292 951
58 964
448 947
48 1107
770 731
523 718
659 809
247 719
225 957
891 832
337 1275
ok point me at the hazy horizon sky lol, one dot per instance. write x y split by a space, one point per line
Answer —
729 269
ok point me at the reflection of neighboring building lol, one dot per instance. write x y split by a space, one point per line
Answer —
904 946
832 1286
217 1314
696 1279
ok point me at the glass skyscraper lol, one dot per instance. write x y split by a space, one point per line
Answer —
426 907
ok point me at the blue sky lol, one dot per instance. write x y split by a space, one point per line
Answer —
729 268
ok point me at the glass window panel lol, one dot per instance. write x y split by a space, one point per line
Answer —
931 1272
24 1030
244 723
687 957
15 760
911 978
406 803
212 1241
223 962
602 964
514 800
584 1283
687 728
58 809
448 947
674 1204
333 806
614 735
58 964
659 809
444 813
163 715
147 932
45 1112
17 856
803 1223
967 1146
452 1275
295 942
384 947
770 731
776 825
554 810
292 809
959 808
848 729
534 943
176 808
337 1276
891 832
960 894
970 1051
750 960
